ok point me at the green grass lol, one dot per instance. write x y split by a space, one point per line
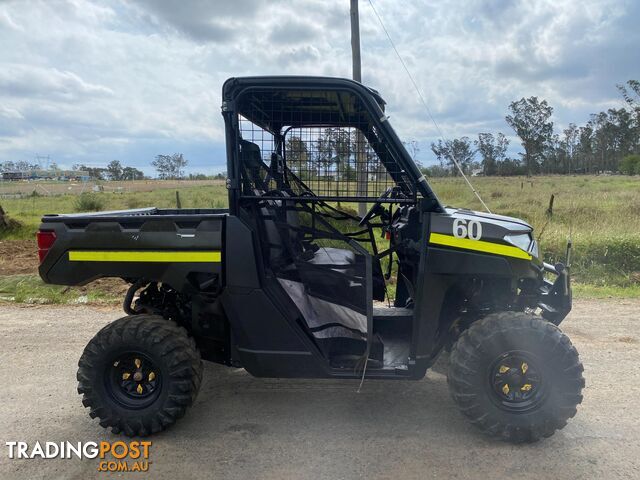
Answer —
31 289
584 290
601 212
29 210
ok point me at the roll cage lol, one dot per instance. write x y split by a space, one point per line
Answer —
297 146
286 107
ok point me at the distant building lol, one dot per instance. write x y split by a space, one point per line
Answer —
14 175
64 175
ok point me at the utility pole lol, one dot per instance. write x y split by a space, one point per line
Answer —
355 42
361 173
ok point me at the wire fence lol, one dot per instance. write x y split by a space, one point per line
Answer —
22 189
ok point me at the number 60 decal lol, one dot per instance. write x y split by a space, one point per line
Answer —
471 229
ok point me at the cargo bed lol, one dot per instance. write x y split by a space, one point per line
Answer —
167 245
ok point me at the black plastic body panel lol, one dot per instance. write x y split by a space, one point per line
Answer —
265 338
154 230
451 262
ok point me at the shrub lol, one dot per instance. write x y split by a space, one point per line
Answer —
630 165
12 227
133 202
89 202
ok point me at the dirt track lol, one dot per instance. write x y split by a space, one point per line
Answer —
241 427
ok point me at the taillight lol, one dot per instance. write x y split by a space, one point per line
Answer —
45 242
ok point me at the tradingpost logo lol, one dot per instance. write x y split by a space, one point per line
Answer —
113 456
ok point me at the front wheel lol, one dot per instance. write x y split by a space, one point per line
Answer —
139 374
516 376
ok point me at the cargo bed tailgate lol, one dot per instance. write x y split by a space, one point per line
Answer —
171 246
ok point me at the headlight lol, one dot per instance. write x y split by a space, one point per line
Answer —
524 242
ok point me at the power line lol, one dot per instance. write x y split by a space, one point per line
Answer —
424 103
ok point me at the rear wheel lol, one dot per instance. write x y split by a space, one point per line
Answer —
516 376
139 374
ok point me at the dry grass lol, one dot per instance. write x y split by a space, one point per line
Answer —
46 188
601 212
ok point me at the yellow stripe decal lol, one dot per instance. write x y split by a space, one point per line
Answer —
478 245
144 256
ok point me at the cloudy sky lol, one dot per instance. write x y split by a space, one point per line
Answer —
88 82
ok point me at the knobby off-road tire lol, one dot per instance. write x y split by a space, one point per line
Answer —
495 352
148 348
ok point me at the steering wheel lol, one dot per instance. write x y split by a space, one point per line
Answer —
375 208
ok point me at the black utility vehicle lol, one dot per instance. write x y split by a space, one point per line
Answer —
289 282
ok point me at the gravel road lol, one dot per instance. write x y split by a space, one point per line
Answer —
242 427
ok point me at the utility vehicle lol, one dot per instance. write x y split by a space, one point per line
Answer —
291 282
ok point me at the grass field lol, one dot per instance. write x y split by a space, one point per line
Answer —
29 209
602 214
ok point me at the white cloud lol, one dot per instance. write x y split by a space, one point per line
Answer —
26 81
91 81
7 22
10 113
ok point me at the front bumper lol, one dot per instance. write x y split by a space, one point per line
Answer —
555 297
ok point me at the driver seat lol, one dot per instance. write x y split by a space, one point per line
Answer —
276 238
330 256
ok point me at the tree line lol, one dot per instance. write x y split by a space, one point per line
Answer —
608 142
168 167
331 153
113 171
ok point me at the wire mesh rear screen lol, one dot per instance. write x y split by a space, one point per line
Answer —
335 161
326 139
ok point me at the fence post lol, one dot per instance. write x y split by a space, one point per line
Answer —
178 205
550 208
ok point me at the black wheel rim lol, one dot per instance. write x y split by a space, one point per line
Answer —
133 380
516 381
